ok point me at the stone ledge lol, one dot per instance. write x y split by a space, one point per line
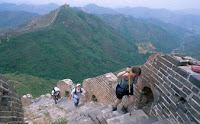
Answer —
178 61
195 79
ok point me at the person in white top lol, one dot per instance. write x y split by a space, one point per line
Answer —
55 93
77 93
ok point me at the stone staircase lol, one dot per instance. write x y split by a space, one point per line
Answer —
96 113
43 110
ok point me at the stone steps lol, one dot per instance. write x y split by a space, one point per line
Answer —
103 114
88 113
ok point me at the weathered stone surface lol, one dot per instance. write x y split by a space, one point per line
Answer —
195 79
100 87
27 100
175 60
10 104
181 71
65 87
177 84
165 62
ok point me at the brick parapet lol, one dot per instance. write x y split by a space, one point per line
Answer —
10 104
176 86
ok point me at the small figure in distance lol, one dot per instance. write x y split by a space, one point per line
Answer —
55 93
128 77
77 93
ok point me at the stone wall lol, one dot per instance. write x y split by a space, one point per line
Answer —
65 87
101 88
170 89
10 104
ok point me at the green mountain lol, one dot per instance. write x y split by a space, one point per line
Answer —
144 31
25 83
189 20
190 46
40 9
75 45
10 19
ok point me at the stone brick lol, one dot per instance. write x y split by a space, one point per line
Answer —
175 61
191 118
173 106
158 89
165 114
182 106
161 65
173 112
160 80
155 65
181 71
195 98
165 62
176 82
146 70
195 90
182 114
184 81
187 91
195 79
180 120
194 105
160 74
145 76
150 67
4 85
195 114
164 90
164 72
178 91
164 101
10 105
171 72
4 119
167 86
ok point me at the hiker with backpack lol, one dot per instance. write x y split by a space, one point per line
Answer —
77 93
55 93
128 77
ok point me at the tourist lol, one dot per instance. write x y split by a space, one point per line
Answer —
77 93
55 93
128 77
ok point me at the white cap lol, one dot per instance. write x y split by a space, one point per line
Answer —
78 85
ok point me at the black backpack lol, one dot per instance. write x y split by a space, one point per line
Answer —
80 91
56 93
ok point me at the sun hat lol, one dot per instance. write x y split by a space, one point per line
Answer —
78 85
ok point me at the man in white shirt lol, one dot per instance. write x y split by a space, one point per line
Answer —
77 93
55 93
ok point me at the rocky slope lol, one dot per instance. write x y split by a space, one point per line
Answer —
43 111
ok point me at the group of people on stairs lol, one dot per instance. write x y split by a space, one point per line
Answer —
128 78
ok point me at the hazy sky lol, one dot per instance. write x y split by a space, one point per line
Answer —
170 4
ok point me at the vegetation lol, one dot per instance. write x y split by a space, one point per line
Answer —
142 31
60 121
76 46
30 84
190 46
13 18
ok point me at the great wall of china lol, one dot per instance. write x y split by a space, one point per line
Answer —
170 91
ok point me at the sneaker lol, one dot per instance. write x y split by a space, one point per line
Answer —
114 108
76 104
125 110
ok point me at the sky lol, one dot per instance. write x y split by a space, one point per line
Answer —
169 4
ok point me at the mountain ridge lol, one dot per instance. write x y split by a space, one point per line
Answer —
40 9
75 44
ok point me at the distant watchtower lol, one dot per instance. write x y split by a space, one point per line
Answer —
66 5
